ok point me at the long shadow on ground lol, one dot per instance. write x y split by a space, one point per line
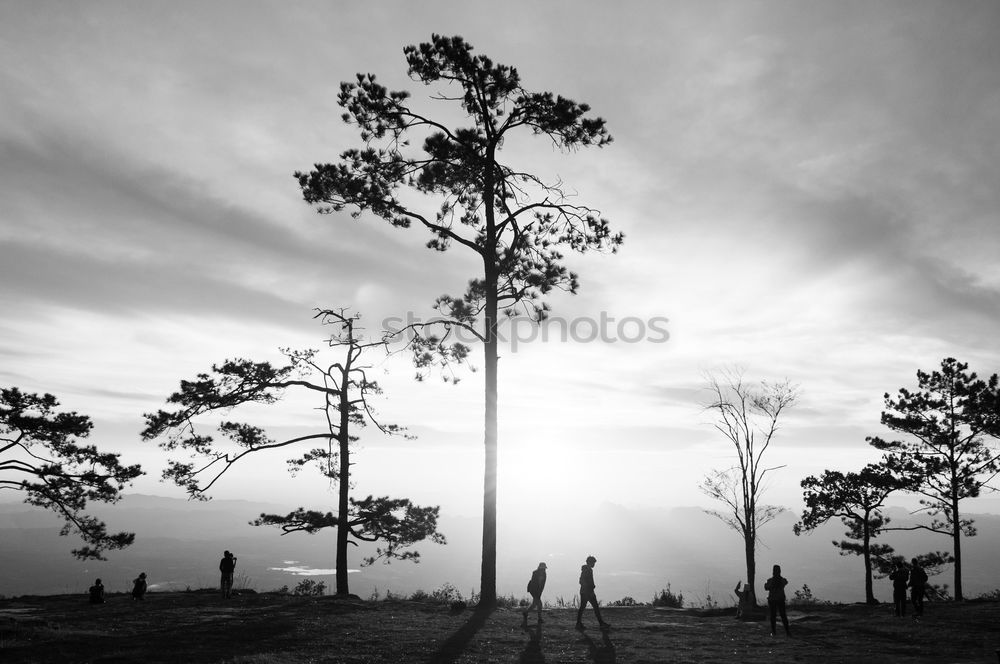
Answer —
453 647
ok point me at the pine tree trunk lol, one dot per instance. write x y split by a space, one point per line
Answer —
488 585
344 484
957 542
869 590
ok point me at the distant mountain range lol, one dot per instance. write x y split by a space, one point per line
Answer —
179 544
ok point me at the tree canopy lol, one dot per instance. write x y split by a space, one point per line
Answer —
455 186
952 424
42 456
855 498
344 388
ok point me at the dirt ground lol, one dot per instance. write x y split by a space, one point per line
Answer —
275 629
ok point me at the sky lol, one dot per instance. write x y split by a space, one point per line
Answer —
808 191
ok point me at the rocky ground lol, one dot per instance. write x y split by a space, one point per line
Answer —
271 628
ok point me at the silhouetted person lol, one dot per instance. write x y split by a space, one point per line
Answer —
97 592
775 587
918 587
900 577
742 591
139 587
228 567
587 594
535 588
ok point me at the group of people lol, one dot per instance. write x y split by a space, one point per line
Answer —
139 586
227 568
587 593
914 578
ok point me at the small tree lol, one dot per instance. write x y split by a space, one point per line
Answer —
344 388
455 186
747 415
41 456
855 498
950 419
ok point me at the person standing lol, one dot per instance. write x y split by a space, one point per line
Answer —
918 587
900 576
139 587
775 587
535 587
228 567
587 593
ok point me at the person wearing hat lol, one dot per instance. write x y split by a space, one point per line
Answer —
587 593
535 588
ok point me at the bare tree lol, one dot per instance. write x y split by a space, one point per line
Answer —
747 415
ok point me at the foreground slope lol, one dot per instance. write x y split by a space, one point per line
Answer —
272 629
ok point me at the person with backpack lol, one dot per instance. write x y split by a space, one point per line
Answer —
775 587
228 568
535 587
900 577
587 594
918 587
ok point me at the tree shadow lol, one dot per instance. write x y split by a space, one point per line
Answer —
603 653
533 649
453 647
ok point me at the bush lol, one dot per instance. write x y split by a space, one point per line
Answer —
447 594
805 597
991 596
310 588
511 602
666 597
625 601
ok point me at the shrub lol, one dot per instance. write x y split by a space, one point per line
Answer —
447 594
805 597
310 588
419 596
666 597
511 602
991 596
625 601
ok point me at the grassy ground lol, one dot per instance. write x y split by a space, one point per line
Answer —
273 629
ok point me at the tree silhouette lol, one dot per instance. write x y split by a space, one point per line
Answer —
41 456
950 419
456 187
747 415
855 498
345 388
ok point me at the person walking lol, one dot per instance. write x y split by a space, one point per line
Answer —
587 594
900 578
228 568
775 587
535 587
139 587
918 587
